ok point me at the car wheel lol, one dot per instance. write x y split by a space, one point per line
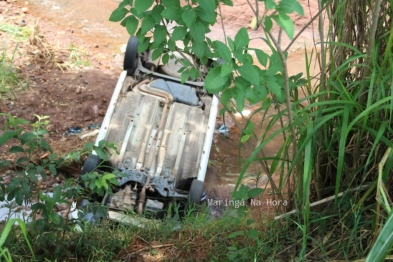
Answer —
91 163
131 56
196 192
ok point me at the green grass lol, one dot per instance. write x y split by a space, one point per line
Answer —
77 57
110 241
340 153
18 33
10 79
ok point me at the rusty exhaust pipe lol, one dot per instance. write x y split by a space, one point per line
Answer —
142 194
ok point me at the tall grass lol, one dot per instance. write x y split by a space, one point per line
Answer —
10 79
339 177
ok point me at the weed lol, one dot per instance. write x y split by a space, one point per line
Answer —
47 227
10 79
4 252
18 33
78 57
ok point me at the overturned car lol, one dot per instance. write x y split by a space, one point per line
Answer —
163 130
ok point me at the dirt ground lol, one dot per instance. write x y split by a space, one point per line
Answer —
73 96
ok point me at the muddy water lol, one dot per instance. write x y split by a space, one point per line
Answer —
90 19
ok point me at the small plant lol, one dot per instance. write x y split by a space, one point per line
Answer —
77 58
46 226
4 252
10 80
18 33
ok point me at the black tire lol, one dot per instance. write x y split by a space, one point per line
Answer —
131 56
91 163
196 192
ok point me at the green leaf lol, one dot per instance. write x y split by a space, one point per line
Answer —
188 16
262 57
38 206
102 211
268 23
239 95
157 53
253 96
4 163
254 192
57 194
241 39
250 73
40 132
55 218
142 46
198 48
20 121
52 169
194 73
171 3
147 23
226 70
207 5
16 149
286 23
179 32
156 13
231 44
214 82
171 45
45 145
165 58
22 160
290 6
206 11
7 136
383 243
275 64
124 21
249 128
236 234
104 184
125 3
108 176
101 153
159 35
226 96
252 233
142 5
26 189
209 17
250 221
98 183
26 137
172 13
89 146
197 31
223 51
131 25
244 138
18 196
270 4
184 76
227 2
118 14
276 89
